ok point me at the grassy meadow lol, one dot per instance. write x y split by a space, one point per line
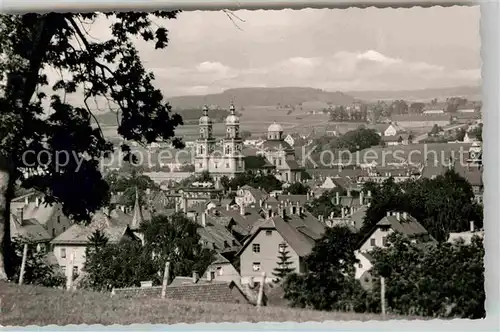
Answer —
32 305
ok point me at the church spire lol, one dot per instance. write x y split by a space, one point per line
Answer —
137 217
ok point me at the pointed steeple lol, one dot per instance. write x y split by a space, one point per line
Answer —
137 216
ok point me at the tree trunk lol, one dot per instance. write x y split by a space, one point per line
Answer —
6 191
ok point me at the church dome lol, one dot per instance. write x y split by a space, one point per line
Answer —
275 127
232 119
205 119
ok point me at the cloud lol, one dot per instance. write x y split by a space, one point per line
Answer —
368 70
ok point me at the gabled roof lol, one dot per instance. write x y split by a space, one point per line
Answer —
301 241
41 213
114 229
29 229
409 226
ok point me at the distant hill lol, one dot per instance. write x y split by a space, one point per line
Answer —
245 97
469 92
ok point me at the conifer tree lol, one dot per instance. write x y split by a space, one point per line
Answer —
284 265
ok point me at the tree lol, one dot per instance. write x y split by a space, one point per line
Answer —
329 282
117 265
128 185
442 205
477 132
323 205
38 270
297 188
175 238
283 269
444 280
435 130
109 70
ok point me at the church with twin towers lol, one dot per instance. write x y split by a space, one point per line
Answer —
225 157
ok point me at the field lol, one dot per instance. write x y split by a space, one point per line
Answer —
30 305
257 119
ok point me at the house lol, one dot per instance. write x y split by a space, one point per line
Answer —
295 233
248 195
400 222
466 237
69 247
389 129
216 236
23 229
397 139
31 208
221 269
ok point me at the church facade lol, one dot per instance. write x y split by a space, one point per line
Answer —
219 158
225 157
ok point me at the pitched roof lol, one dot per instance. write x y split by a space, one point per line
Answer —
114 229
409 226
206 292
29 229
300 240
294 199
41 212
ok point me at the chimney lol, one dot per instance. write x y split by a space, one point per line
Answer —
227 207
342 210
337 198
37 202
348 193
472 227
269 212
20 216
398 216
204 219
361 196
260 202
26 200
281 210
195 277
388 214
242 209
308 196
405 215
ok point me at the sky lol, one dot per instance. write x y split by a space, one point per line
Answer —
333 50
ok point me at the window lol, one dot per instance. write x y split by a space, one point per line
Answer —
212 275
256 248
360 265
63 269
372 242
219 270
53 232
64 229
256 266
384 241
282 247
58 219
279 162
75 270
227 165
269 233
63 252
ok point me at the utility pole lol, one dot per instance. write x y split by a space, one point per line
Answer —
166 276
23 264
382 295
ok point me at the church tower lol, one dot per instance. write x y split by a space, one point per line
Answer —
205 143
233 145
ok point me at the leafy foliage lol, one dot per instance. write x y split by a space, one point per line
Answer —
175 238
329 283
267 182
38 270
442 205
297 188
128 185
446 280
323 205
109 71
